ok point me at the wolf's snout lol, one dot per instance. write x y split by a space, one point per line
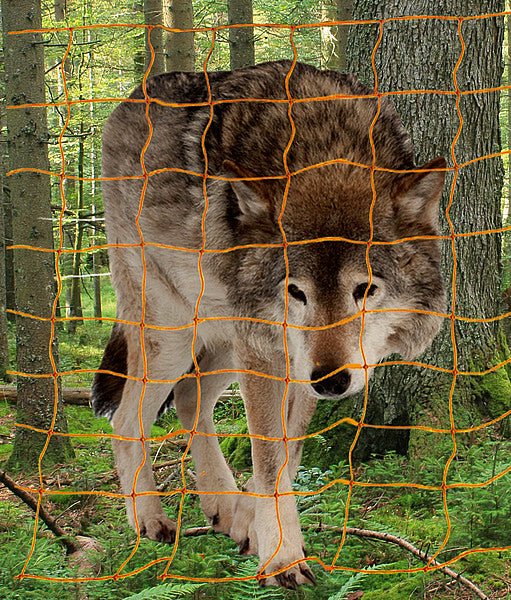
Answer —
332 386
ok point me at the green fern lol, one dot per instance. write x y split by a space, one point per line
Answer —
353 584
167 591
251 588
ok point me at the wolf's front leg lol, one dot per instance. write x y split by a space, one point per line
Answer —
300 408
276 523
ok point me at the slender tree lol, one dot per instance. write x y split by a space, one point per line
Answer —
153 15
241 40
180 49
60 9
94 209
34 271
423 54
76 283
335 39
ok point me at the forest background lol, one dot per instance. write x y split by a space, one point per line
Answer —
106 63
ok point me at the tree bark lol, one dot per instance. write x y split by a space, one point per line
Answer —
34 271
180 48
241 40
335 39
422 54
4 348
153 15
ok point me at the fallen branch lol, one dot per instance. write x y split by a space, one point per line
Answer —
170 463
423 556
70 545
76 396
376 535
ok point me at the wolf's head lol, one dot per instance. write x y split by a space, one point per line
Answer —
363 270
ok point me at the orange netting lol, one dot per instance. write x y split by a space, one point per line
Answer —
351 483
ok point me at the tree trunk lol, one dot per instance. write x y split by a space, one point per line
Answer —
422 54
4 348
60 9
153 15
335 39
92 157
507 212
38 398
241 41
180 49
75 309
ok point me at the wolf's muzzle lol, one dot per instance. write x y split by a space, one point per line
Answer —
332 386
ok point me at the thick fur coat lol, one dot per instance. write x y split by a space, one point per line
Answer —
301 231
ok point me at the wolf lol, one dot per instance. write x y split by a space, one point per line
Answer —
266 225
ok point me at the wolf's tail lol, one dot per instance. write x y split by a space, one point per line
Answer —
107 388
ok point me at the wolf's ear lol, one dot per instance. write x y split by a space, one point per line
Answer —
416 196
254 196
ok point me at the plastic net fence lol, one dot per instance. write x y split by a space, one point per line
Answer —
350 483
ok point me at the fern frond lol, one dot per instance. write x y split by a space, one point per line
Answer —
167 591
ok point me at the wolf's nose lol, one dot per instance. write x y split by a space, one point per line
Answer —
335 385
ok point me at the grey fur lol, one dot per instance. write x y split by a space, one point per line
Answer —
248 139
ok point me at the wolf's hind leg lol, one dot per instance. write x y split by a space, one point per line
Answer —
133 419
213 473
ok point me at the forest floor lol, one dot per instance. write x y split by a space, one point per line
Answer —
479 518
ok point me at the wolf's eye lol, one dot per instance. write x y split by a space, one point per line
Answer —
360 290
294 291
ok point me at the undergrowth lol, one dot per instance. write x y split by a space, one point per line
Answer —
478 518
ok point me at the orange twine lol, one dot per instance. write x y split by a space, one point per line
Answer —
287 175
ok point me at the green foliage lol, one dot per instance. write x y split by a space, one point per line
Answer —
168 591
479 518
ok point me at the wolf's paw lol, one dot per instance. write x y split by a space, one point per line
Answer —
220 511
242 530
290 578
158 528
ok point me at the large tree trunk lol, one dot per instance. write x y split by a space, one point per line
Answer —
4 348
241 40
422 54
335 39
180 47
153 15
7 232
38 399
